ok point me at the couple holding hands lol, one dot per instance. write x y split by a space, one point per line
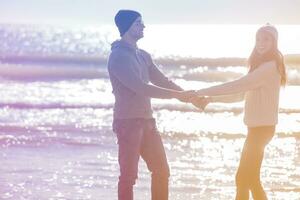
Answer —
131 70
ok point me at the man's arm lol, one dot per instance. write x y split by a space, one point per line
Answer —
159 79
156 76
120 67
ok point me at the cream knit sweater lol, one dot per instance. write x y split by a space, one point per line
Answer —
261 90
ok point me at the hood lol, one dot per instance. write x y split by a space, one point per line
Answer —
118 44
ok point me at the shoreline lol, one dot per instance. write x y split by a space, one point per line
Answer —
290 59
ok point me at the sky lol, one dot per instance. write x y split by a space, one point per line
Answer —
98 12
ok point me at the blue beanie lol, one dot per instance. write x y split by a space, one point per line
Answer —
124 19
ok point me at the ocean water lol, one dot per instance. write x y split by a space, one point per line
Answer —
56 106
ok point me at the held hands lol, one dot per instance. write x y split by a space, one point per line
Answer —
200 102
190 96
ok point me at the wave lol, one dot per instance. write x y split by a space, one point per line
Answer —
54 106
34 136
14 136
96 68
236 110
220 135
91 71
53 59
17 71
213 74
292 61
228 73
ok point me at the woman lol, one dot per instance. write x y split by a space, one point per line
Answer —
260 89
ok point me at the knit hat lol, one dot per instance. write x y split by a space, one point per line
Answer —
124 19
270 29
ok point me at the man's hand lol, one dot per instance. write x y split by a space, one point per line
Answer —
186 96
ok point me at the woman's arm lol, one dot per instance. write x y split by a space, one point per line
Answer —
202 102
248 82
227 98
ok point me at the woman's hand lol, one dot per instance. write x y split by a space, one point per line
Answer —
200 102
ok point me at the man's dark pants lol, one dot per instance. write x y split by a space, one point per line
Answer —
139 137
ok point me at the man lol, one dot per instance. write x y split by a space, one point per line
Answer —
130 70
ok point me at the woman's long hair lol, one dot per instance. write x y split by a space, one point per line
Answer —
256 59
